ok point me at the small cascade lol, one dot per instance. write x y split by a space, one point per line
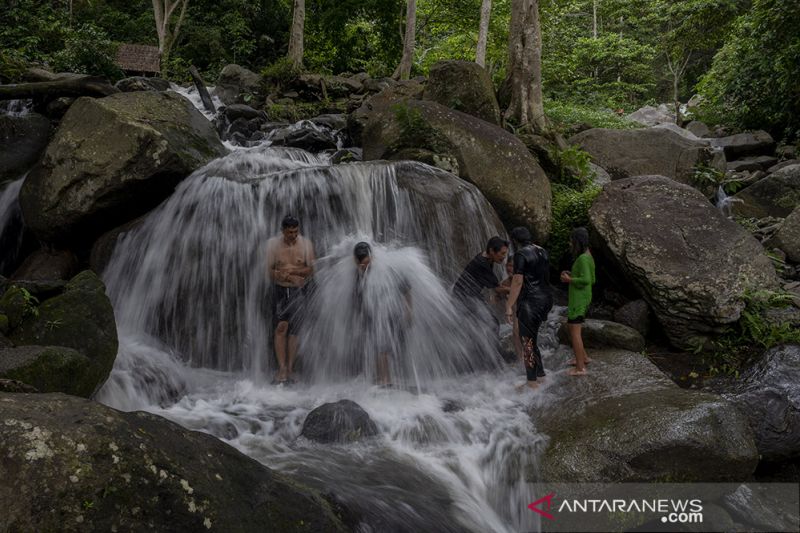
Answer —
724 202
11 225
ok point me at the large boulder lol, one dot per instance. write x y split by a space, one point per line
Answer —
464 86
652 116
142 83
70 464
774 196
742 144
638 152
636 315
598 334
340 422
494 160
80 318
629 423
234 82
22 141
787 238
768 395
113 159
49 368
47 265
380 103
689 262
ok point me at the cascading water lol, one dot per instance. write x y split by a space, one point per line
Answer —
11 225
191 298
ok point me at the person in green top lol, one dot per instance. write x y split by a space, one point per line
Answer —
580 280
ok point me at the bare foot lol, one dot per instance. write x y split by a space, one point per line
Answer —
576 372
572 362
527 385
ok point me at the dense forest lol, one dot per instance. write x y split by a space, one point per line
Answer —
743 57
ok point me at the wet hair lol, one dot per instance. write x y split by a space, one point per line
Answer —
579 241
495 244
521 235
289 221
361 251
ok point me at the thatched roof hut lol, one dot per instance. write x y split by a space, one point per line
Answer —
139 58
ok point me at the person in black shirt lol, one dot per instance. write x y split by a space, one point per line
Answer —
479 273
533 296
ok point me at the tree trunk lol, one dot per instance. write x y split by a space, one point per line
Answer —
483 32
83 86
167 36
404 69
525 66
296 34
594 19
201 90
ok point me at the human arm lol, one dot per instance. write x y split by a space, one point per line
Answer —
581 275
513 295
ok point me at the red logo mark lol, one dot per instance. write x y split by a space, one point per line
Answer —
535 506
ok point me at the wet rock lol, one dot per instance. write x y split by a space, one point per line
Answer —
113 159
776 195
11 385
105 470
445 162
638 152
498 163
336 122
635 314
49 369
234 82
22 142
688 261
236 111
103 248
346 155
81 318
305 135
742 144
393 94
787 238
141 83
761 162
647 430
47 265
464 86
767 394
58 107
763 508
340 422
599 334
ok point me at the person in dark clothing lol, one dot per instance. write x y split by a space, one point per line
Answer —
533 296
479 272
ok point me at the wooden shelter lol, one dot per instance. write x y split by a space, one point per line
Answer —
139 59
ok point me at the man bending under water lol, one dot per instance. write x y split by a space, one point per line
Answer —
290 263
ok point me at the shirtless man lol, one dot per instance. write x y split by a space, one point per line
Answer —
290 263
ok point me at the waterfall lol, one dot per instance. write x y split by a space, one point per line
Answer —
11 225
191 296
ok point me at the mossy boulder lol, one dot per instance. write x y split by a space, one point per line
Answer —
774 196
15 304
49 369
113 159
464 86
74 465
80 318
627 422
690 263
787 238
494 160
22 141
340 422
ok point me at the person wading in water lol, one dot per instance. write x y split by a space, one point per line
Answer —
290 264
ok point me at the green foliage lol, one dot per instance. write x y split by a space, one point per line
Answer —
753 333
281 72
415 132
573 167
570 209
87 50
565 115
12 66
753 80
30 303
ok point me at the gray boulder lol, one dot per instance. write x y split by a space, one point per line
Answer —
234 82
645 431
47 265
699 128
49 368
80 318
768 395
235 111
774 196
782 164
599 334
652 116
74 465
760 162
689 262
464 86
22 142
113 159
498 163
636 315
638 152
379 103
141 83
742 144
340 422
787 238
